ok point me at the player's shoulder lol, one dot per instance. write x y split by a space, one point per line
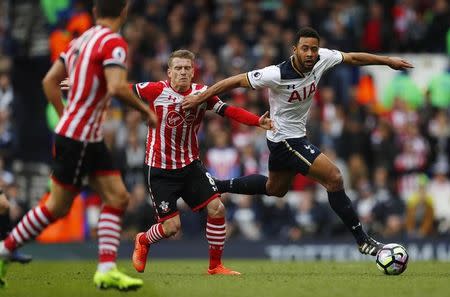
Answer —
287 70
151 84
112 39
326 53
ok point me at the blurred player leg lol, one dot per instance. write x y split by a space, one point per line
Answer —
33 222
115 197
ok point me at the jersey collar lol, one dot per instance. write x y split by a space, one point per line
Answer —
295 68
185 93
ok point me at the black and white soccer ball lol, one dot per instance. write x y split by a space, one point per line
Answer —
392 259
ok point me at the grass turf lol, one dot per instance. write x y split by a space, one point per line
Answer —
260 278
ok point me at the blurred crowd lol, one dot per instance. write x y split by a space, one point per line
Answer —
393 151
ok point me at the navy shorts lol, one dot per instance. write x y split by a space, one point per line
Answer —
295 154
191 183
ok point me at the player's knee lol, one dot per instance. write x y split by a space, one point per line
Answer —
335 181
216 209
171 227
120 200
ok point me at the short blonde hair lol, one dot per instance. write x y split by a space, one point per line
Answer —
183 54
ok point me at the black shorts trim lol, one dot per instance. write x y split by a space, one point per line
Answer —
163 219
68 187
201 206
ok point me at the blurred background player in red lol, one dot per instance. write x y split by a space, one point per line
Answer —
96 66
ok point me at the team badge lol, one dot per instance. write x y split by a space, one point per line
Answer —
256 75
164 206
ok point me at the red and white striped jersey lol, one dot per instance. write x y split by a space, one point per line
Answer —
173 143
84 60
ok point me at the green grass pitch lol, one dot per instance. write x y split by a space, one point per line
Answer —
259 278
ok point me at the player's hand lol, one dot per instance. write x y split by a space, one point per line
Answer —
152 119
399 64
265 122
191 102
65 84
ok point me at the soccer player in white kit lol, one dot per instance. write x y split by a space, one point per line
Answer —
292 85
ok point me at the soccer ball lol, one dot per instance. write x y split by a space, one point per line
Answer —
392 259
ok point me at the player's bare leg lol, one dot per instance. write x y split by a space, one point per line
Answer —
329 176
115 197
279 182
215 234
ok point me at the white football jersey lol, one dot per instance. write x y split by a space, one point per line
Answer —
291 92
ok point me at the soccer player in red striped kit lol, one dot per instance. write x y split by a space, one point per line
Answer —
172 157
95 64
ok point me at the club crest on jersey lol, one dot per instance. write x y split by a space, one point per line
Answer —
164 206
256 75
174 119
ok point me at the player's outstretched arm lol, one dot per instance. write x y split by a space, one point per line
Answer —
117 86
245 117
50 84
192 101
361 59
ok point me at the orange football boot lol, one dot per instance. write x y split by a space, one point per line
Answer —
139 254
222 270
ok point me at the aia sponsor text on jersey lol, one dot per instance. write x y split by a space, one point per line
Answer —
302 94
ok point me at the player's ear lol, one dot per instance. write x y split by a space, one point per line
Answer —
294 49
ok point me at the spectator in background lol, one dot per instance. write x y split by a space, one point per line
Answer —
6 93
439 190
222 160
310 217
277 218
365 202
439 26
376 29
245 221
388 212
420 211
438 129
135 154
383 145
